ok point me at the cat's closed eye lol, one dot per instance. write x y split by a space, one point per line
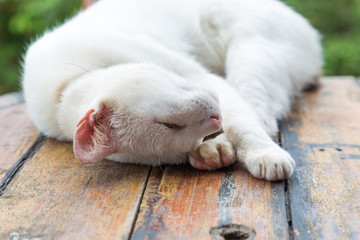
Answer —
172 126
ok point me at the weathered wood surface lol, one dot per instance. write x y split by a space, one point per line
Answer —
323 134
17 135
186 203
56 196
51 195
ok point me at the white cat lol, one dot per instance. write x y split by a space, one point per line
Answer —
145 81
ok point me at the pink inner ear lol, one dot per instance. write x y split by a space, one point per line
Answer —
86 118
87 147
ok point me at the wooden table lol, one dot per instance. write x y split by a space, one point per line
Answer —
45 193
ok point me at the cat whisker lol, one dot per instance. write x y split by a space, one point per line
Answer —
79 66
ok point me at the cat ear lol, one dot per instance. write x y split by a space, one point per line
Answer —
93 140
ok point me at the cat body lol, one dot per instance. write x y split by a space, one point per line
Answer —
145 81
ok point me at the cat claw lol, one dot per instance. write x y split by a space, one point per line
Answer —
213 154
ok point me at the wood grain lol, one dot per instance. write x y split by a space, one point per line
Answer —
184 203
17 134
323 135
55 196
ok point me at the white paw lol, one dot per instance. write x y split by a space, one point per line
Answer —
213 154
269 163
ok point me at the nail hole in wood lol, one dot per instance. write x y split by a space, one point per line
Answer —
338 149
232 232
321 150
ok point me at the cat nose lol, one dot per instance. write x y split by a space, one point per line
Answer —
216 121
216 117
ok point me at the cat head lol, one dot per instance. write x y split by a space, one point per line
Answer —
146 111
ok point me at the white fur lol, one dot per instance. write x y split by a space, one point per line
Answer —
176 61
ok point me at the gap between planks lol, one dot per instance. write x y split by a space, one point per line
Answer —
6 101
286 192
139 204
288 210
14 169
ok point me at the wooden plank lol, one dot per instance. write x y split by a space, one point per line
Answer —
323 134
56 196
184 203
17 134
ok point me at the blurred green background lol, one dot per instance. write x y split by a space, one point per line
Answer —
21 21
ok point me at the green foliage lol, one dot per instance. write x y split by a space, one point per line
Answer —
342 55
329 16
23 20
35 16
339 23
20 22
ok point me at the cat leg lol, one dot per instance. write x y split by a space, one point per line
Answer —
253 146
245 135
267 75
212 154
245 139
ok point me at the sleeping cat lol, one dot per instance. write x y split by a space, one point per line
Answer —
144 82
